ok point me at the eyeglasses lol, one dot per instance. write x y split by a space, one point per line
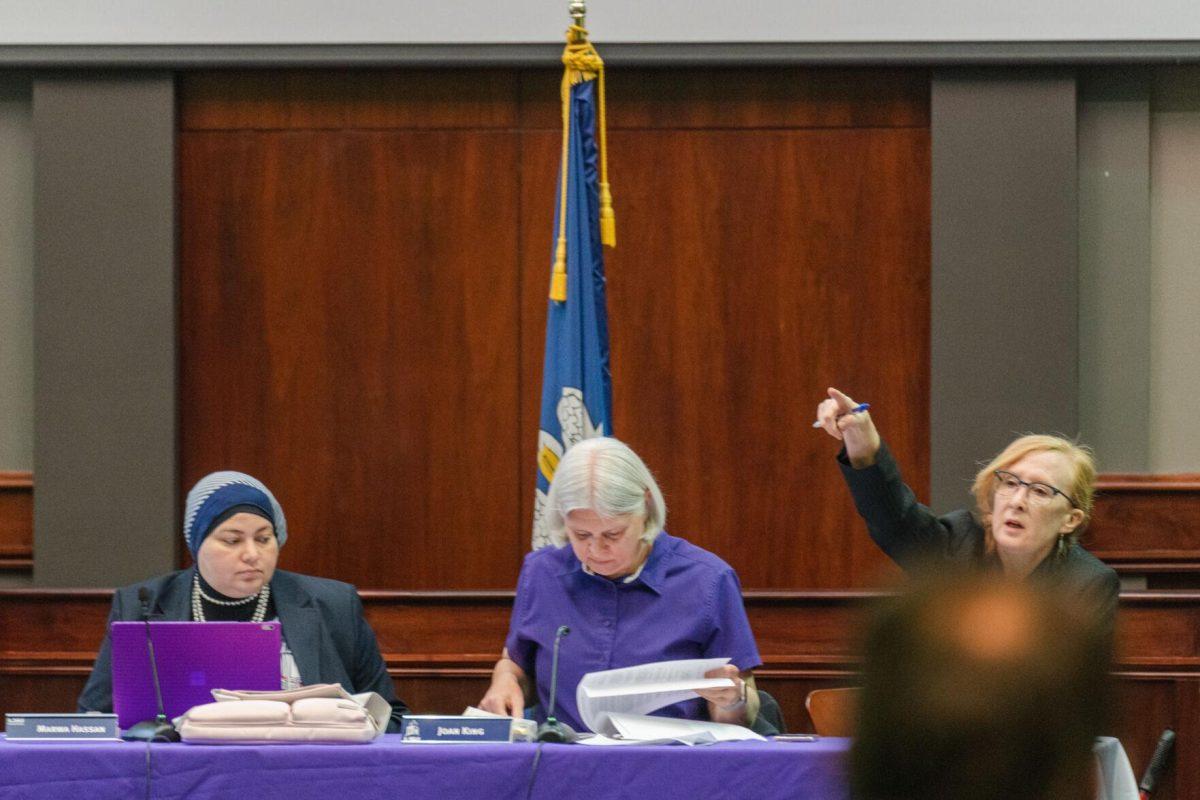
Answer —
1039 494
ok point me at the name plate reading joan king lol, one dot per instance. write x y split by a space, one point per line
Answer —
60 727
431 728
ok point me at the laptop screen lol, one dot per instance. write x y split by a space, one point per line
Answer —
193 659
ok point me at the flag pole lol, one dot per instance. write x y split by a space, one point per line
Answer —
581 62
576 376
608 220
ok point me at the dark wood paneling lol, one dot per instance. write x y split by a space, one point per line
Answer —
709 99
440 627
1159 631
1147 523
363 310
348 330
440 647
742 323
1143 523
753 270
340 99
1145 707
16 521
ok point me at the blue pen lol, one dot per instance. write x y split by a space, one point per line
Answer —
856 410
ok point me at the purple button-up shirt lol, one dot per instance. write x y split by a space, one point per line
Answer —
686 603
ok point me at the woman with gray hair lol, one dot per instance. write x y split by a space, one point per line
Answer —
630 593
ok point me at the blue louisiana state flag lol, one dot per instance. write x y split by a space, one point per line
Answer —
576 381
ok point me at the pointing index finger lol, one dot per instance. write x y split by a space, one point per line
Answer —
845 404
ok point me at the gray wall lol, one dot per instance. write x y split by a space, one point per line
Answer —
314 21
16 273
1004 290
1114 274
104 325
1139 142
1175 271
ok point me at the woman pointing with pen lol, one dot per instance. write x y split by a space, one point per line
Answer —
1031 503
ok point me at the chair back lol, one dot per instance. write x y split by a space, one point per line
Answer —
770 716
833 711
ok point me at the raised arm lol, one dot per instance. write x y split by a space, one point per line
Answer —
855 430
902 527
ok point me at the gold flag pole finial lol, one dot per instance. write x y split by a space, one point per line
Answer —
578 10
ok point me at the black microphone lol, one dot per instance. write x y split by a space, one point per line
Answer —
1157 763
552 730
158 729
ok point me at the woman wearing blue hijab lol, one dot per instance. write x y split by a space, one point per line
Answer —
234 528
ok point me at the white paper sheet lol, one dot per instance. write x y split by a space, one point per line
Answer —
661 687
597 740
639 727
644 688
473 711
691 739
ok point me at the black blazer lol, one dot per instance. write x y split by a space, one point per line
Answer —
322 622
911 535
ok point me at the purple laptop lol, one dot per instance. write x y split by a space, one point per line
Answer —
193 659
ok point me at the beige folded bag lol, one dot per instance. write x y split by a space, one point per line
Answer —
323 712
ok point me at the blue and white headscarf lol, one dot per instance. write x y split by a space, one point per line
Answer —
218 492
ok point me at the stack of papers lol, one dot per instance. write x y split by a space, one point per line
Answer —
616 704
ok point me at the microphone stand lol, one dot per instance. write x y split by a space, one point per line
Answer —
160 728
552 730
1158 763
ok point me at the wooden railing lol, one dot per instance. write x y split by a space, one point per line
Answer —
16 521
440 647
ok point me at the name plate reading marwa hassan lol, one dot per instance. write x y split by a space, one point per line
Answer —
59 727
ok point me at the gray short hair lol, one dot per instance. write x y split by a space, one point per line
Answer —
603 475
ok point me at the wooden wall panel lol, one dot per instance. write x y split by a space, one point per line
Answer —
363 272
348 325
1148 523
16 521
1159 631
347 99
1143 524
713 99
1145 707
440 647
738 292
746 320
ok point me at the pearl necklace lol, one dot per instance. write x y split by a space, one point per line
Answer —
260 611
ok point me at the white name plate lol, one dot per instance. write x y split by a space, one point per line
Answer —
59 727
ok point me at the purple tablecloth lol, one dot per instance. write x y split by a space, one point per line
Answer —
389 768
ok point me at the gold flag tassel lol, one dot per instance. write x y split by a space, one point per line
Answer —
608 220
582 63
558 277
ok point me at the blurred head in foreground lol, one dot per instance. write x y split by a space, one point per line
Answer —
978 688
